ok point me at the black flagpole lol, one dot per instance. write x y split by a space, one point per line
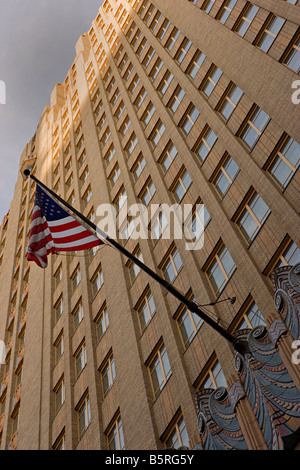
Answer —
239 345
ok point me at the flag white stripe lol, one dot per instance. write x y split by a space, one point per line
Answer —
82 242
56 223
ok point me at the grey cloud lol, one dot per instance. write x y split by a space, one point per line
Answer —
37 47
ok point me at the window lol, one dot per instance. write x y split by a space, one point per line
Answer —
75 278
168 156
172 266
246 18
226 10
126 228
145 310
225 175
120 200
115 96
80 359
77 315
128 72
111 85
131 29
59 392
211 80
188 324
99 108
133 268
176 99
182 184
60 443
58 308
284 162
290 255
115 437
172 39
97 281
148 56
82 158
120 110
197 222
183 50
155 20
92 217
230 101
57 277
148 14
85 175
108 374
138 167
160 370
113 177
206 143
163 29
15 421
109 155
164 84
156 68
147 192
178 436
220 269
69 181
214 378
59 347
140 98
207 5
142 47
253 215
251 316
134 84
255 126
270 32
102 322
136 37
189 119
131 145
83 415
87 196
195 64
71 199
159 223
146 117
125 126
292 57
123 62
157 133
106 136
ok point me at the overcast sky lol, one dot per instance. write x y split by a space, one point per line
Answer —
37 48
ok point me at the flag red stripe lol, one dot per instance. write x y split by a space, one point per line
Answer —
81 247
72 238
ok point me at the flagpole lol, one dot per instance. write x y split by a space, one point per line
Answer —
239 345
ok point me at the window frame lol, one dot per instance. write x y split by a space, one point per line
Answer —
156 362
277 157
245 210
215 260
169 259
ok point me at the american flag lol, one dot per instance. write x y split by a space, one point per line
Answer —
54 230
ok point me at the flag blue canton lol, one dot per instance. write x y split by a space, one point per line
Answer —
50 209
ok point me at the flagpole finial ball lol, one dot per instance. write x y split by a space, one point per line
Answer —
26 172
